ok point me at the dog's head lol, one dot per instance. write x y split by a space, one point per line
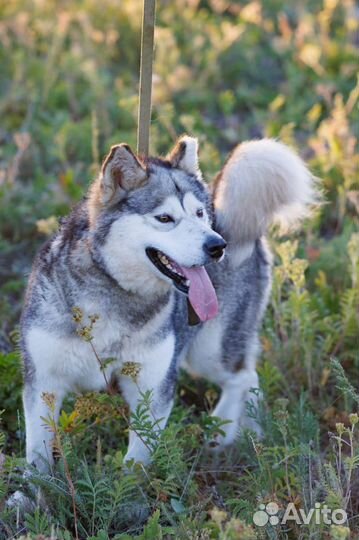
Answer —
151 224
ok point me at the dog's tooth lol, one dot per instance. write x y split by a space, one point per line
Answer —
187 283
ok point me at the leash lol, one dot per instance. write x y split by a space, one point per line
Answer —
144 108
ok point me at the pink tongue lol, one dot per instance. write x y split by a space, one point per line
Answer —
201 293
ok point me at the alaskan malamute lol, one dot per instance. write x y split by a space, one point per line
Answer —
178 273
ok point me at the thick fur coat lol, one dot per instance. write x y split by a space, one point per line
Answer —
145 252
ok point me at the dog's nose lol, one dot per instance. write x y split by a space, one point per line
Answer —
214 247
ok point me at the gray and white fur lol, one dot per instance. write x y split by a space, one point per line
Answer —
99 261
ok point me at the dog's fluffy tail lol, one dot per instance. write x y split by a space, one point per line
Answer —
262 182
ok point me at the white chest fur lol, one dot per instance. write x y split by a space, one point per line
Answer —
77 363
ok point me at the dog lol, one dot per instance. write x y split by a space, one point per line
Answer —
178 273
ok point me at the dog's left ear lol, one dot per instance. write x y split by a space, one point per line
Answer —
121 172
185 155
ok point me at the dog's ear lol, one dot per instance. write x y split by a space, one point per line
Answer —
121 172
185 155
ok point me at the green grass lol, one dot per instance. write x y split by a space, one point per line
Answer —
224 72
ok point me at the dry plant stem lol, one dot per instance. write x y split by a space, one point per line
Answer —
101 366
340 456
350 469
286 468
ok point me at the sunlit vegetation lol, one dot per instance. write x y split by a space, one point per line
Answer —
224 72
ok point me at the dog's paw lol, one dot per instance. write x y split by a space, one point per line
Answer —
232 432
137 453
21 501
251 424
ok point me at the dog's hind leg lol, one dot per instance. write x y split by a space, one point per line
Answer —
236 395
41 401
233 370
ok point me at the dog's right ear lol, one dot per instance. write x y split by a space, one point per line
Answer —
121 172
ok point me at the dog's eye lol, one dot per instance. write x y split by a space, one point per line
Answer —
164 218
200 212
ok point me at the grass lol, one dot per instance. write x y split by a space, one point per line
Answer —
224 72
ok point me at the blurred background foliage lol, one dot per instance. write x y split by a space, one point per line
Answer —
224 72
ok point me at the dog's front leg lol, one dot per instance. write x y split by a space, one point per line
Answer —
157 374
41 401
140 445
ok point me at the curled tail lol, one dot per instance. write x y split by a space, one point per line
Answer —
262 182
